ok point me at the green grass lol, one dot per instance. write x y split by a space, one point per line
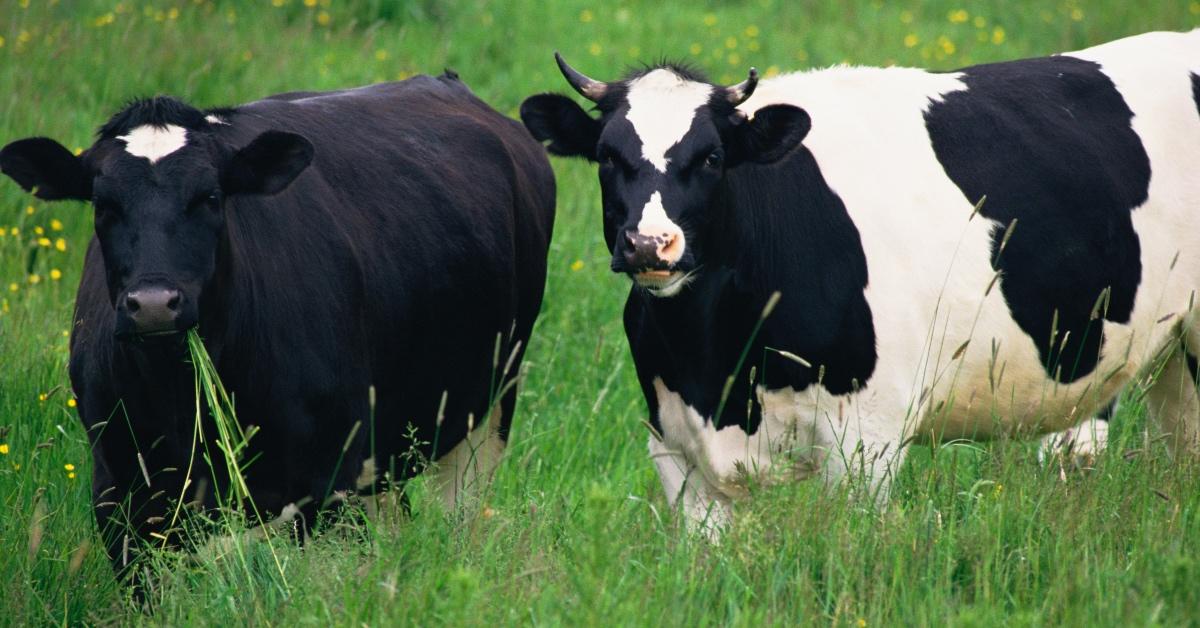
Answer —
575 529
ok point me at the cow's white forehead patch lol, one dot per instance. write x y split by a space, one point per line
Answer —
662 105
154 142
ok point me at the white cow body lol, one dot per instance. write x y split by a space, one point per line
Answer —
952 362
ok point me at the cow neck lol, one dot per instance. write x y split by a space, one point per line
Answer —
781 228
703 331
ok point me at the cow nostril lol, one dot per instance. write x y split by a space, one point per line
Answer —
173 302
670 247
631 238
132 304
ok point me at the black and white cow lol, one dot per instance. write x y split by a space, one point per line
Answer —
393 235
965 254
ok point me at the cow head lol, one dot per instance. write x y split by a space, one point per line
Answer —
158 178
664 140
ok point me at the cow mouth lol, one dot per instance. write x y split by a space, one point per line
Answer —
662 283
153 335
159 333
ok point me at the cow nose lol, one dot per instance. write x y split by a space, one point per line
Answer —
644 252
153 309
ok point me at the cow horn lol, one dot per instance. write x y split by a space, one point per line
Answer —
738 94
589 88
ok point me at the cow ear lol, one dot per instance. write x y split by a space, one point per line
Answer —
268 164
561 121
46 168
770 134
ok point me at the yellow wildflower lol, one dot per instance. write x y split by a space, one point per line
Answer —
323 18
43 241
998 35
35 278
29 210
594 49
13 287
14 231
980 21
710 19
695 49
310 3
42 397
277 3
173 13
71 475
911 40
1 42
906 17
60 244
577 265
55 274
958 16
56 225
71 403
381 55
39 230
4 448
586 16
69 467
731 42
751 31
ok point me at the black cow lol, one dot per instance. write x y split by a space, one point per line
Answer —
392 236
830 264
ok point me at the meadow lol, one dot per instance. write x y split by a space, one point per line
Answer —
575 529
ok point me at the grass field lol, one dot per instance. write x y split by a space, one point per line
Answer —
575 529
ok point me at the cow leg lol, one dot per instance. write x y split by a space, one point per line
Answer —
1080 445
705 510
462 474
868 459
1173 406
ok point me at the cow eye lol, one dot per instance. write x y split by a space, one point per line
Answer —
210 201
714 159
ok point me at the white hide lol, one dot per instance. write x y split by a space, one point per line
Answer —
655 224
661 108
952 362
1077 446
154 142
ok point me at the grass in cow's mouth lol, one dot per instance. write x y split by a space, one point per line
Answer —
225 455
